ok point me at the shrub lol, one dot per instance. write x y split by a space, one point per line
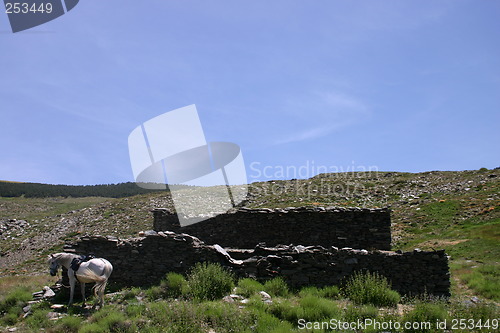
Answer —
209 282
176 317
285 310
224 317
325 292
267 323
276 287
135 310
108 319
131 293
68 324
370 288
248 287
425 312
174 285
353 313
313 308
154 293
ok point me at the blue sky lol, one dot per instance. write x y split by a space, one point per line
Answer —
397 85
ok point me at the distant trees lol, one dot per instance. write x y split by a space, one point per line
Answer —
37 190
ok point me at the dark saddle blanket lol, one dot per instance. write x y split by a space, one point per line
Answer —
76 262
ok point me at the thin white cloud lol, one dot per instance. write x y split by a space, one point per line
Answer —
333 110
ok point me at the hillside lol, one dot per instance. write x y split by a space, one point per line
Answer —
457 211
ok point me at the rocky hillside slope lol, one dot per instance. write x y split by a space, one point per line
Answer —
457 211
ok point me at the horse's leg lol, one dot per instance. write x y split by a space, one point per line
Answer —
71 278
83 293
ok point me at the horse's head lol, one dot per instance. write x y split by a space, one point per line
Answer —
53 264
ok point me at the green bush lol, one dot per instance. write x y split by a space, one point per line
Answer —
325 292
248 287
154 293
313 308
285 310
108 319
276 287
174 285
370 288
38 320
135 310
225 317
426 312
209 282
131 293
329 292
267 323
355 312
69 324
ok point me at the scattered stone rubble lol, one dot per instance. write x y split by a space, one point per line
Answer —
11 229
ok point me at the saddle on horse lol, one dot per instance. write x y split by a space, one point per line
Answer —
76 262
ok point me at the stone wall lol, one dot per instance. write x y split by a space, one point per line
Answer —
145 260
245 228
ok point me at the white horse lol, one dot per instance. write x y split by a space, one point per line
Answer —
95 270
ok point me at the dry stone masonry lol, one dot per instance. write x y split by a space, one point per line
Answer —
331 226
145 260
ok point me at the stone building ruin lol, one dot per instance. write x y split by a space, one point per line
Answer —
306 246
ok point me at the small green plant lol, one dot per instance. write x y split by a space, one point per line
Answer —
248 287
326 292
313 308
69 324
154 293
361 312
209 281
224 317
130 294
175 317
285 310
108 319
329 292
276 287
370 288
174 285
425 312
267 323
38 320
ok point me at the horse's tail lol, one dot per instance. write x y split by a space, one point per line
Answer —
103 281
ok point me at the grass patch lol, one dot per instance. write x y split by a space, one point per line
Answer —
248 287
276 287
426 312
11 305
209 281
370 288
174 285
485 280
